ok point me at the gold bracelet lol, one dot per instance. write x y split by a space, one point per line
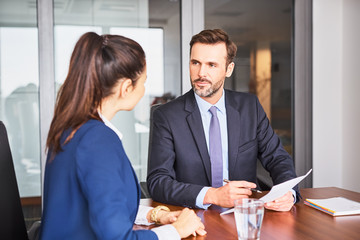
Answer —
154 212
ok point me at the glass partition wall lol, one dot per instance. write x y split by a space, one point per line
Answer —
261 29
19 90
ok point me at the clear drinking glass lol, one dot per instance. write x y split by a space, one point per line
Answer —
249 214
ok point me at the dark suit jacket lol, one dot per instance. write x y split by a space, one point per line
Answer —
179 164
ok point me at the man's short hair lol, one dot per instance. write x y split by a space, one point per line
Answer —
214 36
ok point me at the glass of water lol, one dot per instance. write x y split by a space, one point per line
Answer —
249 213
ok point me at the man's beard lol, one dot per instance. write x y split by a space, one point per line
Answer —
206 92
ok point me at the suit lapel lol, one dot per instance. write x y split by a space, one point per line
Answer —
233 125
196 127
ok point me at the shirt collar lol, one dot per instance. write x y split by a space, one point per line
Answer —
111 126
204 105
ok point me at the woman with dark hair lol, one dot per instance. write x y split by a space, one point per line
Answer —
90 188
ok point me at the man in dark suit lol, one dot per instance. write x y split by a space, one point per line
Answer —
186 166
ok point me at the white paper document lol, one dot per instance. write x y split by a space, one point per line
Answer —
278 190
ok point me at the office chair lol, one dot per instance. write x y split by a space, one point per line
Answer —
12 223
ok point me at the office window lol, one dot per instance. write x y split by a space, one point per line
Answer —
19 91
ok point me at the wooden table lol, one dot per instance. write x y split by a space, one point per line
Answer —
301 222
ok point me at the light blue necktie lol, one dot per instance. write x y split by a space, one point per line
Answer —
215 150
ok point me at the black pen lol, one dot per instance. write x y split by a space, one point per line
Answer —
252 189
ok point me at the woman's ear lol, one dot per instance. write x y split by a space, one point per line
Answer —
125 87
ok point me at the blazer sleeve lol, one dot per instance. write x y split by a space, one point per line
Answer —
109 185
271 153
161 180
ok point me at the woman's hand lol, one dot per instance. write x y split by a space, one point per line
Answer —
165 217
188 223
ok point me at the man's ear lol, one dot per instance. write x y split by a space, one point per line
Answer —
230 69
125 87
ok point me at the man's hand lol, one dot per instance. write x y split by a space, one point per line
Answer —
224 196
283 203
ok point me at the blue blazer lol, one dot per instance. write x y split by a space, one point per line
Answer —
179 163
90 189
